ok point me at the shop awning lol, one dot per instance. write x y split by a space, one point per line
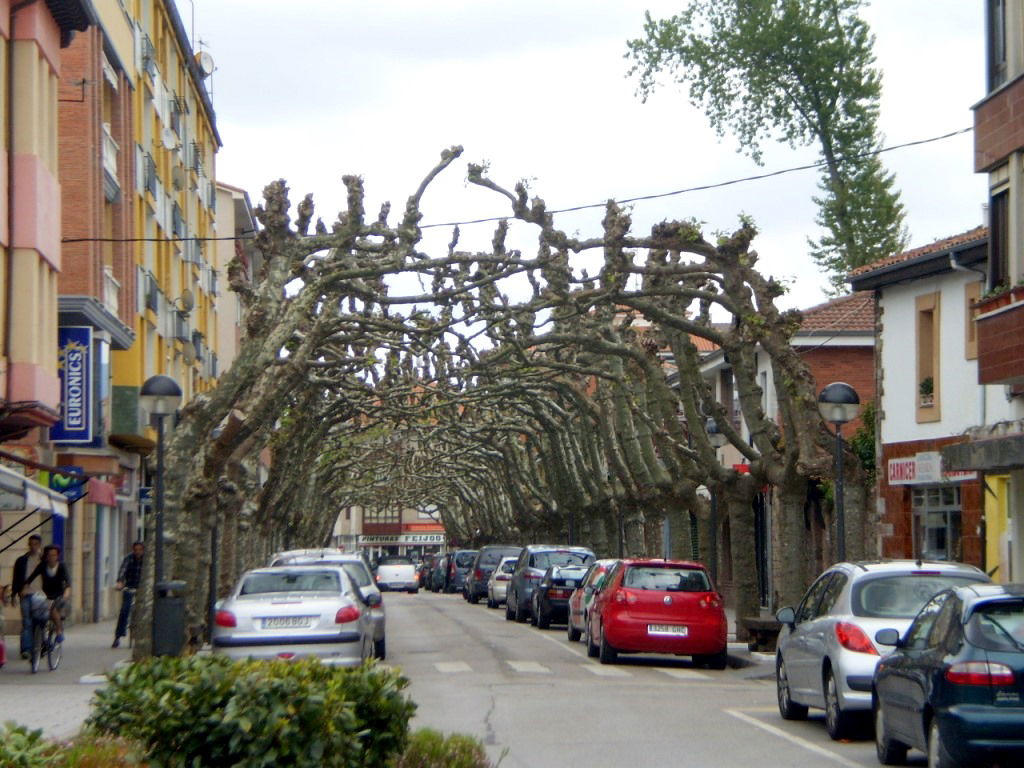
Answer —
997 454
18 493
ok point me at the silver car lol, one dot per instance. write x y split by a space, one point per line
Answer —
497 582
294 612
826 653
358 571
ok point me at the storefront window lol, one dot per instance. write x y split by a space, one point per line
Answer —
937 522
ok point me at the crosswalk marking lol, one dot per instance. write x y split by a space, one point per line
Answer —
605 671
529 666
683 674
452 666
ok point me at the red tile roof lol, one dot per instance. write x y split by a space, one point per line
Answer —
855 312
939 245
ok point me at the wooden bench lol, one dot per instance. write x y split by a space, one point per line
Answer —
762 633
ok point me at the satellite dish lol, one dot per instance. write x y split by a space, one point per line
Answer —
188 352
169 139
188 300
205 63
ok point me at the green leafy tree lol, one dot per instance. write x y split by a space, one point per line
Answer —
799 71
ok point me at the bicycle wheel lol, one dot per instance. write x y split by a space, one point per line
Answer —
37 646
54 649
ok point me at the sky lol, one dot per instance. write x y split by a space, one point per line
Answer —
311 90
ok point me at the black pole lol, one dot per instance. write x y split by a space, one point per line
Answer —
713 539
214 568
159 483
840 512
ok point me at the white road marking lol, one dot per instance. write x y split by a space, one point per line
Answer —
683 674
809 746
564 645
531 667
452 666
602 670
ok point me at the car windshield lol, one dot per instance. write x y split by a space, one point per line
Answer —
998 626
666 579
545 560
464 559
493 556
395 561
901 596
291 581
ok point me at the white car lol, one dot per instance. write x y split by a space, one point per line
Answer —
294 612
497 582
827 653
397 573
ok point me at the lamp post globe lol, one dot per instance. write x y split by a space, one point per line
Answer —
839 404
160 395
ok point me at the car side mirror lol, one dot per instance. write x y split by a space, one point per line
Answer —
786 616
888 636
373 599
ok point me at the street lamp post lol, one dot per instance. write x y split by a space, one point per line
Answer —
160 397
838 404
717 440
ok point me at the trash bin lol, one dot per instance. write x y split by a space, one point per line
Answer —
169 618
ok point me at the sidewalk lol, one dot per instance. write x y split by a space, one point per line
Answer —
740 654
58 701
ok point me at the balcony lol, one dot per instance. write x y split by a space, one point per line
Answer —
111 185
111 291
1000 324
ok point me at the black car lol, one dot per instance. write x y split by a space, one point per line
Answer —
483 566
533 562
551 597
458 566
954 687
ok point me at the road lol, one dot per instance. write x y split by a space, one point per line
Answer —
541 698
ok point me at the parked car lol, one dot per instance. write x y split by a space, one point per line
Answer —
658 606
497 584
583 595
533 561
358 570
426 568
459 562
551 597
293 612
439 574
826 656
954 687
483 565
397 573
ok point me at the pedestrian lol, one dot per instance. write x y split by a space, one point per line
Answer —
22 590
56 586
129 576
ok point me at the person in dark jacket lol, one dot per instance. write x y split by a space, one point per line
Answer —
129 576
56 586
23 566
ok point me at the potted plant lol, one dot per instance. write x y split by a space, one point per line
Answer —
927 392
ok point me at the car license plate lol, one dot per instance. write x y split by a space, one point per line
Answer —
667 629
286 622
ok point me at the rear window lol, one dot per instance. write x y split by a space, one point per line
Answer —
291 581
508 567
666 579
358 573
997 626
493 556
568 577
901 596
545 560
464 559
395 560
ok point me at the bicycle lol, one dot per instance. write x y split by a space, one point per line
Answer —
44 638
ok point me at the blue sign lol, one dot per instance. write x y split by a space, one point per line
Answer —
74 365
72 485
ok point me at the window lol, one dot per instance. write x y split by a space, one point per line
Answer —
900 596
928 343
917 635
972 293
809 607
835 588
996 43
999 240
937 522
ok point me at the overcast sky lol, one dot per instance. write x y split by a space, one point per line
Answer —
309 90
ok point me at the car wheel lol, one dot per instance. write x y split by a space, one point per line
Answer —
474 598
573 633
534 610
889 751
938 757
521 616
380 650
607 654
508 609
837 722
543 619
718 660
592 649
491 603
789 709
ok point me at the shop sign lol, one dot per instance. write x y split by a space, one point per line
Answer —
924 468
399 539
74 366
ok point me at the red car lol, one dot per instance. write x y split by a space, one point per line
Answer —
658 606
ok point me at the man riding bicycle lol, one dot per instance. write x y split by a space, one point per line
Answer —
56 586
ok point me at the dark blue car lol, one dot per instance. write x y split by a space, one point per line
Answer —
954 687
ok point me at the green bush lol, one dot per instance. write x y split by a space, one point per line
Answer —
90 750
428 748
210 711
22 748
